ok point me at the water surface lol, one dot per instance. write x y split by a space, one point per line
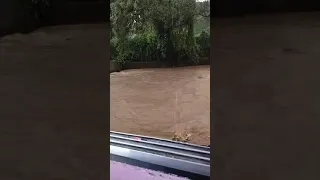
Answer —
162 102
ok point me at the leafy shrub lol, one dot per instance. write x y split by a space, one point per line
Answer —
203 42
183 50
140 48
113 49
180 47
143 47
146 47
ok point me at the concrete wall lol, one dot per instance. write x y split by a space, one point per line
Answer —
115 67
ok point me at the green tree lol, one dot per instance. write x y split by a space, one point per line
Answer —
121 25
171 20
203 8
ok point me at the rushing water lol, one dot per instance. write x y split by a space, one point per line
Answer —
162 102
156 102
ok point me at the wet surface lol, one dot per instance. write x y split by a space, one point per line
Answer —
162 102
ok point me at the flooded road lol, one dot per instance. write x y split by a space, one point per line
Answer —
162 102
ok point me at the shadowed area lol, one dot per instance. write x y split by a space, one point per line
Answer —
53 103
266 97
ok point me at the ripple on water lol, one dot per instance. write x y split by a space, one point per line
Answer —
162 102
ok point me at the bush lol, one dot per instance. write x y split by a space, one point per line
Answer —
113 49
203 42
146 47
180 47
141 48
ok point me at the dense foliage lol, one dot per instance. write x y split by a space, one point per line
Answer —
156 30
203 41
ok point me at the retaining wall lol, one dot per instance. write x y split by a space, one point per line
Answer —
116 67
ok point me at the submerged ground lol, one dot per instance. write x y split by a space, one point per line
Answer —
162 102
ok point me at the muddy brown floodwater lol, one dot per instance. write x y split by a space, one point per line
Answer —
162 102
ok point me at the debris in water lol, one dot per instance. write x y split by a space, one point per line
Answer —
182 137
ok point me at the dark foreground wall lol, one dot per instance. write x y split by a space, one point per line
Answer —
54 105
266 97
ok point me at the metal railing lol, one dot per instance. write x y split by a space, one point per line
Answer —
183 159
